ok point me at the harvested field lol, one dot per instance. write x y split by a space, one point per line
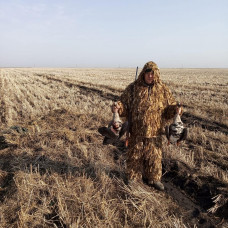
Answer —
55 172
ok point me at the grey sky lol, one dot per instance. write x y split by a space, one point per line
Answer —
113 33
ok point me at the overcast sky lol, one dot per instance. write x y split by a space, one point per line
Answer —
113 33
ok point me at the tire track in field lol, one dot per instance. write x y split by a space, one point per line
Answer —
86 88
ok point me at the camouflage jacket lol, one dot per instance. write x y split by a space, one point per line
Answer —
147 107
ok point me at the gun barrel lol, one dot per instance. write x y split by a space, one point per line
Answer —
136 74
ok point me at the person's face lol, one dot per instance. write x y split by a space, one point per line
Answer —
149 77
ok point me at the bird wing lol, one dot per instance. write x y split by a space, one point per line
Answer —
107 132
184 134
167 131
123 129
107 141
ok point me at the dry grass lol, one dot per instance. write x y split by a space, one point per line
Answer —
58 174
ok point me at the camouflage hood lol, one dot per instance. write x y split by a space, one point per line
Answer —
155 69
149 106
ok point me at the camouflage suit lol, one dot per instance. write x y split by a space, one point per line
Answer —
147 107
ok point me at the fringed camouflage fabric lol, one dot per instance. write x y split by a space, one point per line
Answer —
148 107
144 159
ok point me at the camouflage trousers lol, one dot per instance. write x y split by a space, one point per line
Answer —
144 158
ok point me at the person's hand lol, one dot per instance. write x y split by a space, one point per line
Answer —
115 107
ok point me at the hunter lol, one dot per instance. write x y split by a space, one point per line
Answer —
147 103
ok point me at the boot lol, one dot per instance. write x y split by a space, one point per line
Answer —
157 184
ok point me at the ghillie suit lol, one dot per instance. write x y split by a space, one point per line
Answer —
115 130
147 108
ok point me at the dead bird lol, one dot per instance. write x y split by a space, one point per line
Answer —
176 132
115 129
